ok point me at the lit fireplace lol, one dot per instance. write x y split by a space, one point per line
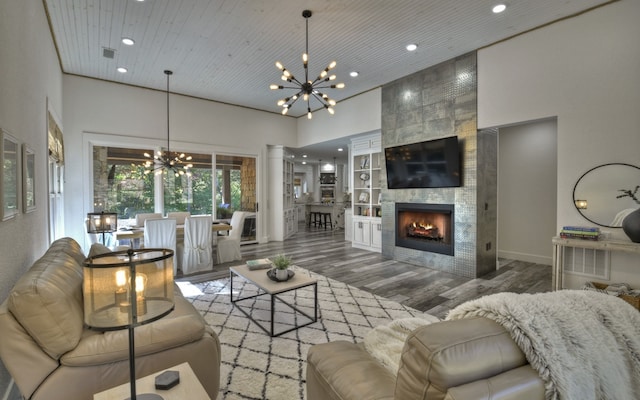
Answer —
423 231
427 227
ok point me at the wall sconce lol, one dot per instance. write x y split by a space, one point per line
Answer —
102 222
581 204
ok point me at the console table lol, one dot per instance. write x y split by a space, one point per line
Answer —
559 245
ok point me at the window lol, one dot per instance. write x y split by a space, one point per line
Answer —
236 185
121 186
56 178
119 182
193 194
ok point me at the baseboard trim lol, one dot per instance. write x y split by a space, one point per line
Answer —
534 258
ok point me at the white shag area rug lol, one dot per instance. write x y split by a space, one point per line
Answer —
256 366
585 345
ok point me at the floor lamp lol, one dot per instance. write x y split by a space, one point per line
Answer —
126 289
102 222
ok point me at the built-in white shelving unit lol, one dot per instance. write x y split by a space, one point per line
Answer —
366 164
283 216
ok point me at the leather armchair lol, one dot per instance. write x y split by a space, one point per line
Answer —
51 354
465 359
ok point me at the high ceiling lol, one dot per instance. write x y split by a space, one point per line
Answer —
226 50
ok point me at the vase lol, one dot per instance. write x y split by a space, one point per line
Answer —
631 226
282 274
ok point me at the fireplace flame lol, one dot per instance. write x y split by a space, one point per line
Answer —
424 230
421 225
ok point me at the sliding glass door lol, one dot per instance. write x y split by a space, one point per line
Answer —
236 191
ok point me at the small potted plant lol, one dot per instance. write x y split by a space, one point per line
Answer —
281 264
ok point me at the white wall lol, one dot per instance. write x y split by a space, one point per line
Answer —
100 111
30 74
583 70
527 171
359 114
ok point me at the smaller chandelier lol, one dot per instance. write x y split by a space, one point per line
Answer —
307 89
163 162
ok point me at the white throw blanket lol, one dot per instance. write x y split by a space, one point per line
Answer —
585 345
385 342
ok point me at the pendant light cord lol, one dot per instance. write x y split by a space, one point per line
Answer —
306 14
168 73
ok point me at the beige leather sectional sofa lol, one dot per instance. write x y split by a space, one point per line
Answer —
52 356
472 358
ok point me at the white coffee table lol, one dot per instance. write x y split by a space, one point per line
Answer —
272 288
188 388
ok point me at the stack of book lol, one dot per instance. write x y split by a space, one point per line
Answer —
262 263
580 232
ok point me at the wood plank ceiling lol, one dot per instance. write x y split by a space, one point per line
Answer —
225 50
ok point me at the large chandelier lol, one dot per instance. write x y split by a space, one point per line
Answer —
163 162
307 89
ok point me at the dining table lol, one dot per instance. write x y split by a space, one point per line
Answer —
134 234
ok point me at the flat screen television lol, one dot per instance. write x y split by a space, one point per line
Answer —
429 164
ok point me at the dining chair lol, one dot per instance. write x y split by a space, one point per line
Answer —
179 216
228 247
140 218
161 234
194 254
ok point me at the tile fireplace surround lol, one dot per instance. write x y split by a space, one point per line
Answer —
438 102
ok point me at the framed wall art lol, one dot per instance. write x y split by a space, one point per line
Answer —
28 179
9 196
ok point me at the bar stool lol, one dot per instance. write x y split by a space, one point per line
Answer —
315 218
326 219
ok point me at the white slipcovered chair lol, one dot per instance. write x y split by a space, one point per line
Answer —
161 234
194 254
228 247
140 218
179 216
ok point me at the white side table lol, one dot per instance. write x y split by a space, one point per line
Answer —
559 245
188 388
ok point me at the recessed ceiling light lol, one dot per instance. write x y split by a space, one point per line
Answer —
122 70
499 8
353 74
412 47
340 149
304 156
304 163
128 41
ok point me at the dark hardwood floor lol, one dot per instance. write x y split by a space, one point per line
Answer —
432 291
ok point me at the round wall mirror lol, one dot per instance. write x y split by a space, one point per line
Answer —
604 194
